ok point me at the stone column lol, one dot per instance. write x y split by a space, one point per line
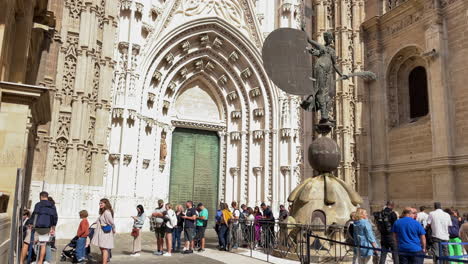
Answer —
441 114
258 171
235 179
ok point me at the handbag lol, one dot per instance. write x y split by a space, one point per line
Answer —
135 232
106 228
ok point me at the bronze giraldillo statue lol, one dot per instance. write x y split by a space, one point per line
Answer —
323 89
325 67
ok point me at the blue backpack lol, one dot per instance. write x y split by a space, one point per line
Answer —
44 215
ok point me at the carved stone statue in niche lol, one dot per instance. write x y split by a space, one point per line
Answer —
163 148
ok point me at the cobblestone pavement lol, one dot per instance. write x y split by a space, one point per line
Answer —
123 245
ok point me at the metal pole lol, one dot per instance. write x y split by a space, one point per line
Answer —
308 247
16 223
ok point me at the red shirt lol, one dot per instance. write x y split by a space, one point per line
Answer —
83 229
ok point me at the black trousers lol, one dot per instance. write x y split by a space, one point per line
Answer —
388 245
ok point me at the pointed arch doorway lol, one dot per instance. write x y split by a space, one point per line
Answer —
194 168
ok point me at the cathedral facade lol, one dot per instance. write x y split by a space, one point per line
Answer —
168 100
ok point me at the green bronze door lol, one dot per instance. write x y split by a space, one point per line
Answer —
194 168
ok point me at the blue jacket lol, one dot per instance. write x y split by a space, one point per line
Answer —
364 236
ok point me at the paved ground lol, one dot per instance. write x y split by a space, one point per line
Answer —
123 242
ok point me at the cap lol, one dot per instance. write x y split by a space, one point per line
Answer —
160 201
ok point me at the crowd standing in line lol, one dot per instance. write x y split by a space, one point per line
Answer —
409 237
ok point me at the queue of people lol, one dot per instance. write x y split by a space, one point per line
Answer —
410 236
234 225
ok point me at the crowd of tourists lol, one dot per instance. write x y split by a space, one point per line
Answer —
236 225
169 224
409 236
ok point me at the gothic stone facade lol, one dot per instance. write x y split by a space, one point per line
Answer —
128 73
416 157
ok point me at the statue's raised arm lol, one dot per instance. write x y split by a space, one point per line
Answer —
314 43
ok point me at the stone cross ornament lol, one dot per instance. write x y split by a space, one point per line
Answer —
286 61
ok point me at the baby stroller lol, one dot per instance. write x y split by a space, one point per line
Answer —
69 251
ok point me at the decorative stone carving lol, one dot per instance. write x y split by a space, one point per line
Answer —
286 132
223 79
157 75
146 163
114 159
74 8
69 69
88 160
172 86
127 159
197 125
259 112
63 125
236 114
257 170
163 148
151 97
91 129
183 72
146 27
232 96
258 134
125 4
139 8
254 92
231 11
155 11
185 46
169 58
60 154
166 104
285 169
235 135
132 114
234 171
96 78
234 56
199 65
204 40
209 66
217 42
117 112
246 73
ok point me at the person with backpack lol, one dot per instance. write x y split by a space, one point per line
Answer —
41 225
454 230
384 221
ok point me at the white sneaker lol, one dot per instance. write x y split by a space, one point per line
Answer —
135 254
167 254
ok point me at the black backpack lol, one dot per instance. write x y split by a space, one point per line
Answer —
383 221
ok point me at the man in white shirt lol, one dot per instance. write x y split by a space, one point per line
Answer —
439 221
422 216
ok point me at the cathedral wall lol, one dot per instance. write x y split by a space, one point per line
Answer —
426 153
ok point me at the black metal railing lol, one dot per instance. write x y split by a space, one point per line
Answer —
309 243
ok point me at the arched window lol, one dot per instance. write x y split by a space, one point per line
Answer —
418 98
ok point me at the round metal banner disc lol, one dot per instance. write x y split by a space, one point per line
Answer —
287 61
